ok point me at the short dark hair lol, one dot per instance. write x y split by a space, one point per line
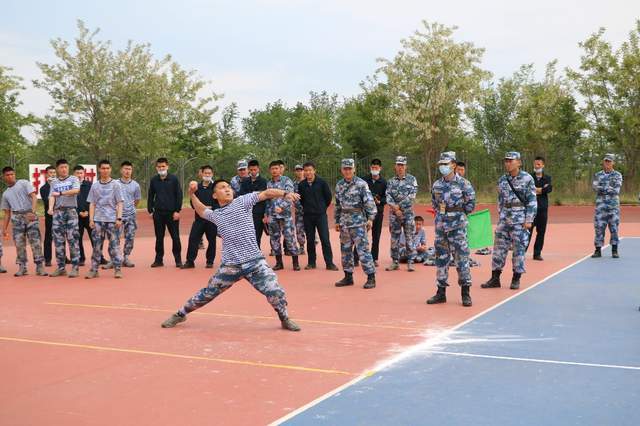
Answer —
274 163
309 164
419 219
461 164
540 157
253 163
217 181
206 167
162 160
126 163
103 162
7 169
61 161
50 167
78 167
376 162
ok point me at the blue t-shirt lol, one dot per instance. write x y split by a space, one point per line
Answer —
131 193
105 196
17 198
62 185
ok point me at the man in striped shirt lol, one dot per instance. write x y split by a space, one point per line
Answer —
241 257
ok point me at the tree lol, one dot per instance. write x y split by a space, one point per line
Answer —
126 102
428 83
12 143
609 81
265 130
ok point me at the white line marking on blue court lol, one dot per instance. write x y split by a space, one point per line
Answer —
535 360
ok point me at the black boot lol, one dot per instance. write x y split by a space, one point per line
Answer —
371 281
494 282
439 297
347 280
278 266
515 281
597 253
614 251
296 263
466 297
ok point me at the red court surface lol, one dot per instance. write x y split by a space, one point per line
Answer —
79 352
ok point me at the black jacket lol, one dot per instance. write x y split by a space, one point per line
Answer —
543 182
315 196
248 186
378 189
83 205
205 195
44 194
165 195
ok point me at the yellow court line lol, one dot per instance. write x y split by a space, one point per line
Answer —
135 308
180 356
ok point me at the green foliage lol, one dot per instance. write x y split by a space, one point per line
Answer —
13 146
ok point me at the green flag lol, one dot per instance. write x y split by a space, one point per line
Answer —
479 231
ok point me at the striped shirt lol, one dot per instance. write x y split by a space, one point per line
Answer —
235 227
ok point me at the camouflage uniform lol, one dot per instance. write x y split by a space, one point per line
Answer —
105 231
453 201
105 198
607 213
131 193
354 207
236 181
400 193
513 215
65 222
300 235
281 223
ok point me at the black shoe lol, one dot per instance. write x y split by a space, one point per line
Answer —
537 257
494 281
466 297
515 281
439 297
347 280
371 281
597 253
332 267
67 261
356 262
310 266
614 251
157 264
296 263
287 324
47 264
187 265
278 266
209 266
178 263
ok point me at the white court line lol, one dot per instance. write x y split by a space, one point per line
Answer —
423 346
540 361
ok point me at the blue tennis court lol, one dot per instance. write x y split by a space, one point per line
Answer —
565 352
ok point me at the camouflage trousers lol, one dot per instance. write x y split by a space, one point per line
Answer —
300 235
25 230
452 243
65 230
105 231
128 230
396 227
257 272
603 218
356 237
508 236
279 228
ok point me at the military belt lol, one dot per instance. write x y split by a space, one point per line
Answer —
352 210
454 209
510 205
64 208
22 212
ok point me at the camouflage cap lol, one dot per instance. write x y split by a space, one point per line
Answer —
609 157
451 154
347 163
401 159
242 164
299 167
446 158
512 155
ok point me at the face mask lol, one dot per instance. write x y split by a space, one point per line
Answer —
207 178
49 178
163 172
539 170
255 175
444 170
375 172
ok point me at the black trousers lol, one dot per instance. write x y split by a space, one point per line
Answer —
540 226
258 225
376 231
199 228
311 224
83 224
162 221
48 237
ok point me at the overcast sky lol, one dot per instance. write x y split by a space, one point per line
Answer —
258 51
